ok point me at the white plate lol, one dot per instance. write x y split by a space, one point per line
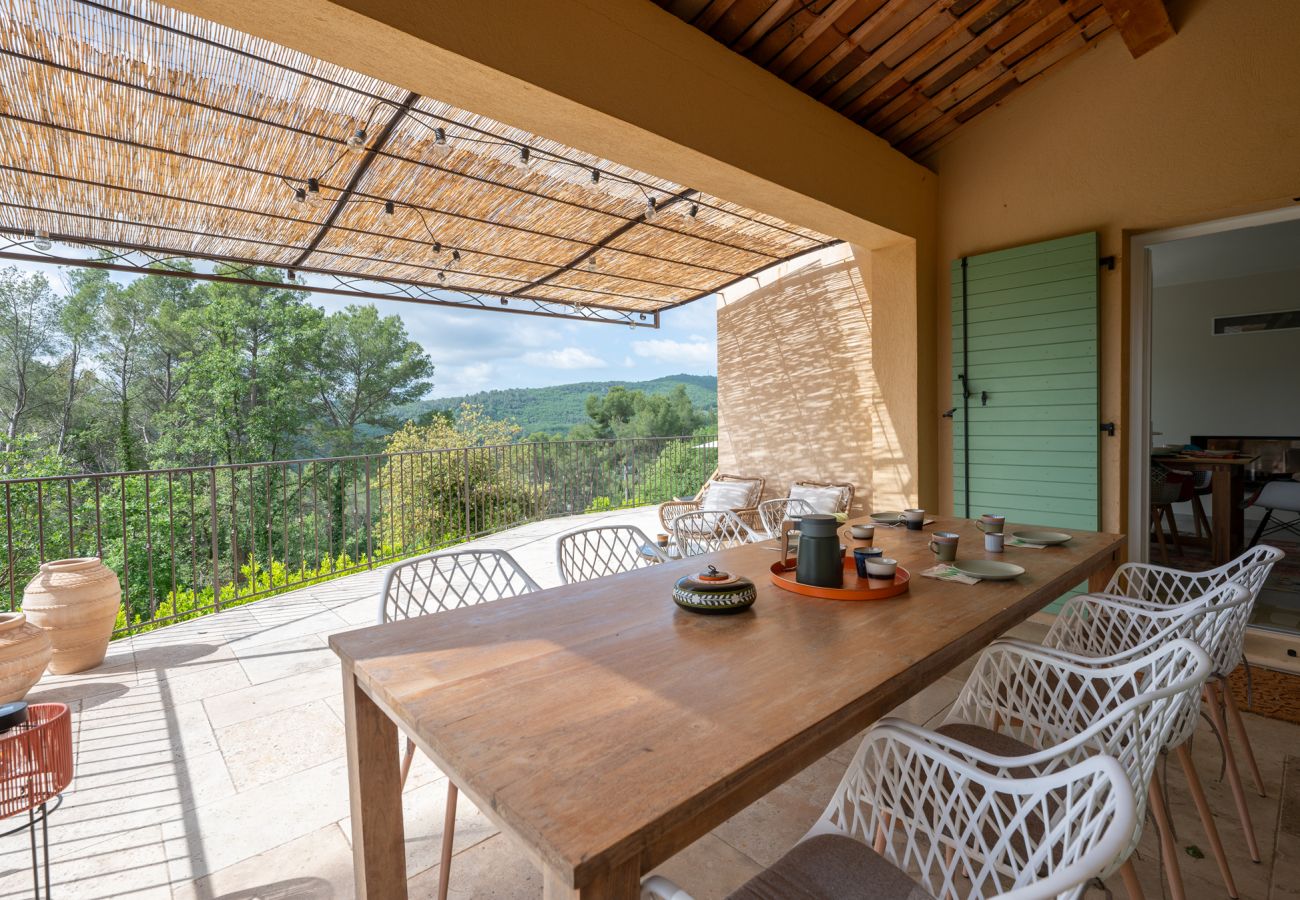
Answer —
988 569
1046 538
889 517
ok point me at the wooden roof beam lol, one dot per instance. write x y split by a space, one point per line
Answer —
1143 24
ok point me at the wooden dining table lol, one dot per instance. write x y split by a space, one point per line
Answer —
1227 480
603 729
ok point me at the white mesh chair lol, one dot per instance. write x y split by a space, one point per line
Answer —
1156 587
1026 710
604 550
1102 631
435 583
709 531
771 513
913 820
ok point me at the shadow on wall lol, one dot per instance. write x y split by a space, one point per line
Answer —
796 391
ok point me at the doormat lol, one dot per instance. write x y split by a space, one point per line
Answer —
1274 695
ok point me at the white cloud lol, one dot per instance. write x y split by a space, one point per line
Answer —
670 351
564 358
629 362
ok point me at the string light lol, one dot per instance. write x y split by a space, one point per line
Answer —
525 158
651 207
42 240
442 277
591 263
437 246
357 141
504 301
455 256
300 194
440 145
694 211
595 176
313 190
389 207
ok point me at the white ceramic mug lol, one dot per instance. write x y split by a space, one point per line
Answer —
993 542
863 532
882 568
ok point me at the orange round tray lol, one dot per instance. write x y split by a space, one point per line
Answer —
855 588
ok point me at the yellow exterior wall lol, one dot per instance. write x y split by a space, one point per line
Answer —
1205 126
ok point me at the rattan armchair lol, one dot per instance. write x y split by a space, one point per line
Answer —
748 512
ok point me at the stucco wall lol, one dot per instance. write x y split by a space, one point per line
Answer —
1205 126
792 399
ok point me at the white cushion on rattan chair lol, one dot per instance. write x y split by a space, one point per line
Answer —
831 866
827 500
727 494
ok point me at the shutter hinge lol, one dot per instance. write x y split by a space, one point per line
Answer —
1108 262
1109 428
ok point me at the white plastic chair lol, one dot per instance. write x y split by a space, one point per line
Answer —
911 813
1102 631
434 583
708 531
1027 710
771 513
1156 587
604 550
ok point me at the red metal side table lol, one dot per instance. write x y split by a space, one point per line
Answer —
36 767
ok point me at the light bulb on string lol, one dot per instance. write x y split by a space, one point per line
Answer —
524 159
591 263
357 140
313 190
595 177
41 240
300 195
389 207
442 277
440 145
651 208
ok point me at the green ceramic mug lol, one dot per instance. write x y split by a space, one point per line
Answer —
991 524
943 544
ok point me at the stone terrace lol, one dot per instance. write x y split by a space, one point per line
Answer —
210 764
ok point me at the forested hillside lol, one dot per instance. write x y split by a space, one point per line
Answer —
559 408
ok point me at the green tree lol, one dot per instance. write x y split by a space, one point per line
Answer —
80 323
621 413
28 334
127 312
366 365
245 390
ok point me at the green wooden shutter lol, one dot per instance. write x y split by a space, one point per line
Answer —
1024 334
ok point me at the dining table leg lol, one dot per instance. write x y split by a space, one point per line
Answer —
621 882
1222 521
1100 577
375 795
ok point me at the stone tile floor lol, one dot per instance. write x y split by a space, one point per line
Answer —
209 759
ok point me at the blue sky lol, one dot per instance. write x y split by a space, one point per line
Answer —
476 350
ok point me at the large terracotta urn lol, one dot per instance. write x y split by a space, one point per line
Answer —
75 601
24 654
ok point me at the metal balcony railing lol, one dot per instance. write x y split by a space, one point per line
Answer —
190 541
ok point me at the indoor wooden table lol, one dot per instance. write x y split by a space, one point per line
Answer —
604 730
1227 520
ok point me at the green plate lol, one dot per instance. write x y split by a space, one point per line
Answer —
889 517
1046 538
988 570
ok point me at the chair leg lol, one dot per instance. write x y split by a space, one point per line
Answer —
1173 530
1207 818
1239 728
1131 883
1230 764
1166 830
1160 534
1199 518
407 758
1263 523
448 836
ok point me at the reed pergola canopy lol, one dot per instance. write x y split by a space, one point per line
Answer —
152 136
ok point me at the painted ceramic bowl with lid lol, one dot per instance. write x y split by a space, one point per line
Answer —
712 591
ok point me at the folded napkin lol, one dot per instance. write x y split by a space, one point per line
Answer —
1017 542
945 572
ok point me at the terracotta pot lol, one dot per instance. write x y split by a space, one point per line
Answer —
24 654
75 601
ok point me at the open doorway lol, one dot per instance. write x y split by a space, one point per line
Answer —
1216 320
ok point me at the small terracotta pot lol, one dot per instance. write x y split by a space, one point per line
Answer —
75 601
24 654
